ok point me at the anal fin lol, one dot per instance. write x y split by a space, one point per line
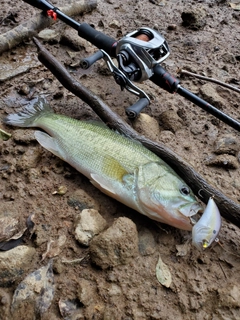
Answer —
49 143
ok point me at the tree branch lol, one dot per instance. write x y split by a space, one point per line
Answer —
26 31
228 208
198 76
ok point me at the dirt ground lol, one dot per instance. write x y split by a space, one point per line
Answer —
205 285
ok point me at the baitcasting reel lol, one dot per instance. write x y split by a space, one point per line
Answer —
137 53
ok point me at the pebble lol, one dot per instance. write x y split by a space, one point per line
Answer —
116 245
115 24
81 200
147 126
89 223
146 244
170 120
24 89
172 27
227 144
14 263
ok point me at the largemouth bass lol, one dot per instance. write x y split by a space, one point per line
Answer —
117 165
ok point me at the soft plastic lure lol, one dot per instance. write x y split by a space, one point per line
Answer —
206 230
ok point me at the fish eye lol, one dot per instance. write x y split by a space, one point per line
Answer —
185 190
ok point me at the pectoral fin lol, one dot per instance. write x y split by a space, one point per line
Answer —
102 184
49 143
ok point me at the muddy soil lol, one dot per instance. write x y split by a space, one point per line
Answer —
205 285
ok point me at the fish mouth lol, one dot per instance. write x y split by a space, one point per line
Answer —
192 210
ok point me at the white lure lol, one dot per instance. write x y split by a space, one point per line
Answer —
206 230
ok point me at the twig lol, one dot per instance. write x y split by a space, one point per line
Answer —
228 208
223 84
25 31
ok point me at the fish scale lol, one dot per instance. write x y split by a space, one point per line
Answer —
94 145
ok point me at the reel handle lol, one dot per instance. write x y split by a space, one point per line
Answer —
133 111
87 62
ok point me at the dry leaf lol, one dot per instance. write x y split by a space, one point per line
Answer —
163 273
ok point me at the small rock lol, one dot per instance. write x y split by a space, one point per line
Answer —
170 120
8 227
86 292
49 35
115 24
229 58
194 18
147 126
24 89
114 290
147 244
11 69
89 223
117 245
226 144
61 190
183 249
209 93
172 27
70 309
167 136
229 296
236 184
224 160
81 200
34 294
14 263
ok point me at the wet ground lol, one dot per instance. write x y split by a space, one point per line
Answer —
204 37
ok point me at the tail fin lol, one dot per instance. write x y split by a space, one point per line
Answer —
28 117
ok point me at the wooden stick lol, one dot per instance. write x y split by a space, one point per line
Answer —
228 208
223 84
26 31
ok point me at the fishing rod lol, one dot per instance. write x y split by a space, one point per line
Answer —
139 54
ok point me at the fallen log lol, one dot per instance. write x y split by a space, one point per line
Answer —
40 21
228 208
